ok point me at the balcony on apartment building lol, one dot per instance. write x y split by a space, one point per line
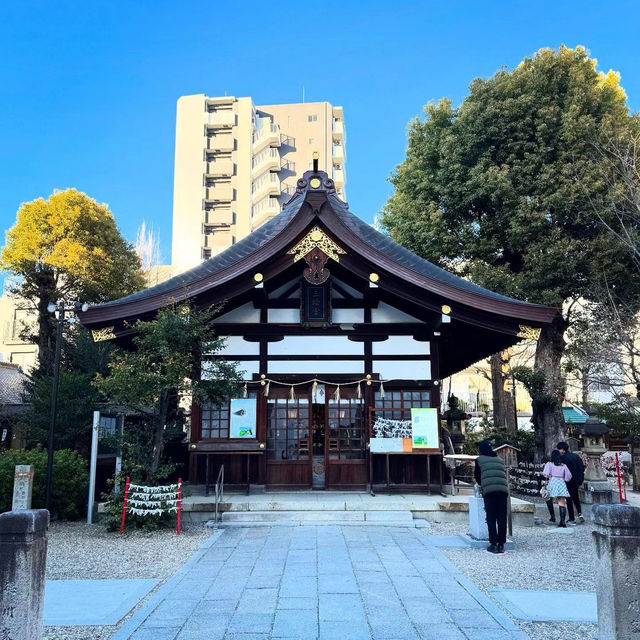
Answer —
219 192
220 142
219 168
13 331
268 134
338 176
338 152
266 184
338 127
267 159
217 217
264 210
222 119
217 241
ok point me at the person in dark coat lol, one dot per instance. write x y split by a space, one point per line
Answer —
576 466
491 475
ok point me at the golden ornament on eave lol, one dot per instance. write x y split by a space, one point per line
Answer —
316 238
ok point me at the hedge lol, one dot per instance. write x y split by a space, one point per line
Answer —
70 481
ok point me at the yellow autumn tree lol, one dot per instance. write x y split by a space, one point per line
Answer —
69 247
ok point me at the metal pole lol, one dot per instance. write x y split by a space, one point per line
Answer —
92 466
54 401
116 484
515 408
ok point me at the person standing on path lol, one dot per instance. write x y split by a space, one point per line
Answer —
558 474
491 475
576 466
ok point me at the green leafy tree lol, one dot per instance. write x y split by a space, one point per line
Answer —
82 359
164 368
68 247
501 188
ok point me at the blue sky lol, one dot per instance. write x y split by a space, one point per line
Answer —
88 89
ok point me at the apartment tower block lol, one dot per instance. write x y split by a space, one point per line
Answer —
236 164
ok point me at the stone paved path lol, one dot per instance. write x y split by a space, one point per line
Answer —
320 582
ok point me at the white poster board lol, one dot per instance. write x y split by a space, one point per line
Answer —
424 428
385 445
242 423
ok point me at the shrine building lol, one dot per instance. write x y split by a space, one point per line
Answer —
343 336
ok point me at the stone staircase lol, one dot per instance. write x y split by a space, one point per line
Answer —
283 517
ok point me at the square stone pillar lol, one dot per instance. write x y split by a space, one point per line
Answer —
23 558
22 487
617 540
478 519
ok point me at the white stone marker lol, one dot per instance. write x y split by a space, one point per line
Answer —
22 487
617 540
23 558
477 516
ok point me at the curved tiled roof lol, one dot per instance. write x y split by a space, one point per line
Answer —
227 258
12 384
380 248
385 245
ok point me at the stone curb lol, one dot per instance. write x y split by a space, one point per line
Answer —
129 627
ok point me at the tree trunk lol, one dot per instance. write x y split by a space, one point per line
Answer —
158 433
503 415
585 387
497 391
548 420
510 414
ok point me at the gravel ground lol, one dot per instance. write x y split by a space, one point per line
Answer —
542 554
81 551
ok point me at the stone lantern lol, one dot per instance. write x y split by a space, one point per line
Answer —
455 418
596 488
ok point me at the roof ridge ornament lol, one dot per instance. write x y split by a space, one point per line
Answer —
316 238
315 181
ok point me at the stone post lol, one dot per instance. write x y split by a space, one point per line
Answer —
477 517
635 465
617 540
23 557
22 487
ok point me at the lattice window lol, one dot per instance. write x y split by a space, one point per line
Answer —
346 429
215 419
396 405
288 436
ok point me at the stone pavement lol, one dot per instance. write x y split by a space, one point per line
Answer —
319 582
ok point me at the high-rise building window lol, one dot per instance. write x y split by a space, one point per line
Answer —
206 254
312 140
313 118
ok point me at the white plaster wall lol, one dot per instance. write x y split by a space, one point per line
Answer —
386 313
246 313
238 346
286 316
400 345
403 369
316 345
317 367
347 315
246 369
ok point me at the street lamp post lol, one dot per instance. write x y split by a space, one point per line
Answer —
61 311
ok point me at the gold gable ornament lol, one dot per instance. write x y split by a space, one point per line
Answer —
316 239
102 335
528 333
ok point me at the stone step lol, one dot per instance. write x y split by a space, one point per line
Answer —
313 523
377 517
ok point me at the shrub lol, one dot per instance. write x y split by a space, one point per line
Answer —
70 487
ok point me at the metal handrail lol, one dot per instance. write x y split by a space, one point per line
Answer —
218 492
